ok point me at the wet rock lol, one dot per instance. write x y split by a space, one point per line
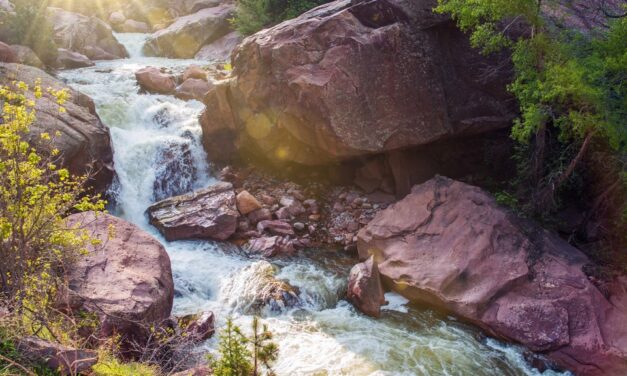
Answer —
185 37
193 88
97 53
126 280
175 172
293 206
153 80
198 327
221 49
209 213
67 59
450 245
247 203
275 227
264 291
361 86
365 290
259 215
75 32
271 246
85 143
7 54
69 360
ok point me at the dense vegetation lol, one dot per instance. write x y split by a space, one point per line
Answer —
570 85
254 15
28 26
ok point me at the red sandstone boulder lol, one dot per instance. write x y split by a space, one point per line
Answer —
193 88
27 56
7 54
85 143
153 80
247 203
126 280
76 32
67 59
271 246
209 213
194 71
221 49
364 288
184 37
353 78
450 245
198 327
68 360
275 227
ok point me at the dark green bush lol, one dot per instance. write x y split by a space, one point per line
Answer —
254 15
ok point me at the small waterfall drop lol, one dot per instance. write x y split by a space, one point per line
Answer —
158 153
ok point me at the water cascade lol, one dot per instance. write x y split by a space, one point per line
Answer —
158 153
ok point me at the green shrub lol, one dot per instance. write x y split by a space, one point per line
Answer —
110 366
254 15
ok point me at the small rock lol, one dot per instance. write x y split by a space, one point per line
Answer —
299 226
199 327
259 215
364 288
247 203
314 217
283 213
275 227
292 204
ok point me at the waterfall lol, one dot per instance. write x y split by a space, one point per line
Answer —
158 153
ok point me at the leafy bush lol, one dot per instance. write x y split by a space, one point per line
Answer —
30 27
36 244
254 15
571 90
110 366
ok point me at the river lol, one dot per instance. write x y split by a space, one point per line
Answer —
157 152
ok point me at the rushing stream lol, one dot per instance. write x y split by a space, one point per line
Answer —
157 148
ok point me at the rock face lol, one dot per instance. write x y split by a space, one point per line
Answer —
84 143
76 32
184 37
221 49
450 245
153 80
364 288
209 213
68 360
352 78
126 281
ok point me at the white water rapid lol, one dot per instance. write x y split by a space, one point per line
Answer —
157 151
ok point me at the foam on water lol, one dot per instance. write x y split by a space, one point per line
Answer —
323 336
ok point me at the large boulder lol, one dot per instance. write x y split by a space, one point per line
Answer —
351 78
153 80
364 288
67 360
85 143
76 32
27 56
184 37
193 88
220 49
209 213
126 279
67 59
449 245
7 54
